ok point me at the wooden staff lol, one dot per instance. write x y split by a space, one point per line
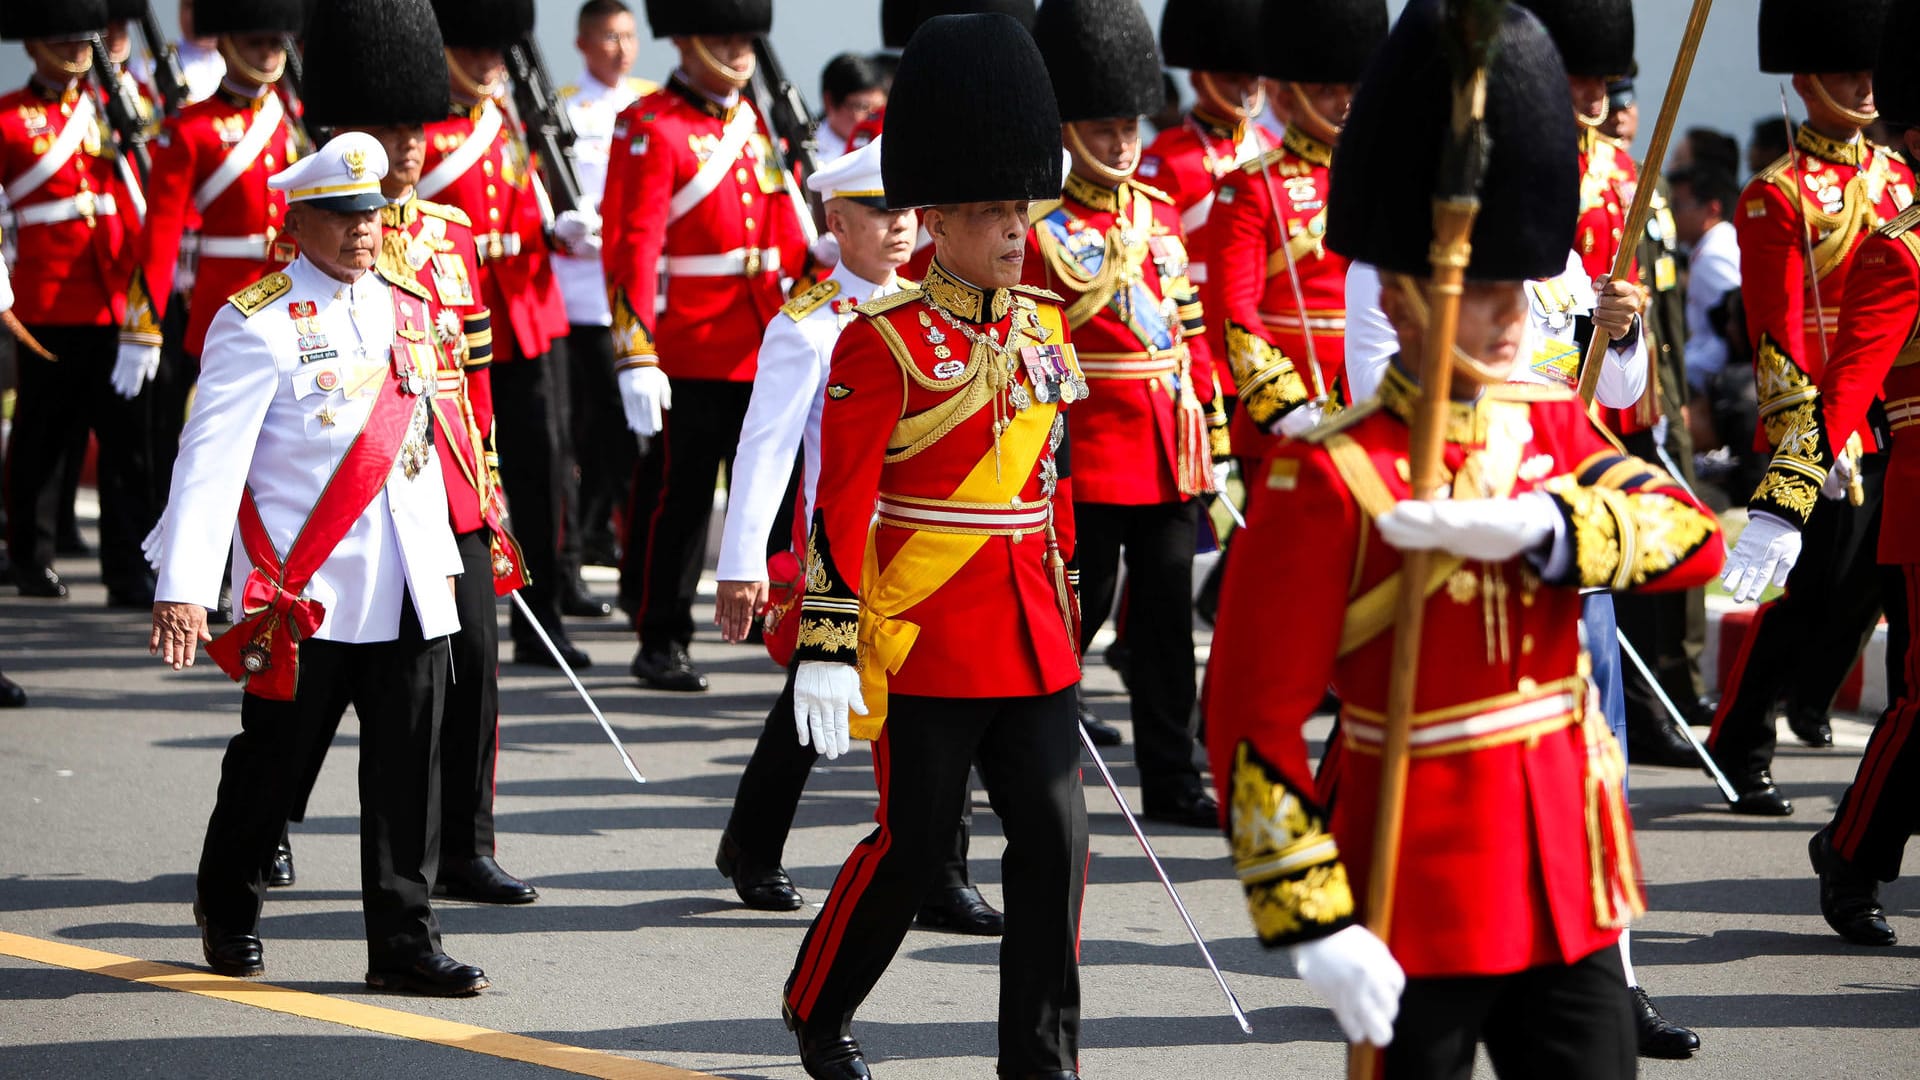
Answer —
1650 167
1471 28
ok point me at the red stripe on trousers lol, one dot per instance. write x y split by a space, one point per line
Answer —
846 892
1739 673
1887 741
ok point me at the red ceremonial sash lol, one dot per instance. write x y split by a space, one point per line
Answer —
261 650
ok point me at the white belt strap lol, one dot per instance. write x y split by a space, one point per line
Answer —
57 155
455 165
255 247
266 121
1196 215
73 209
718 164
740 262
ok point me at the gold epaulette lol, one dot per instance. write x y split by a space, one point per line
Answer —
444 212
1529 392
810 301
1265 161
1037 212
254 298
642 87
883 304
1902 223
404 281
566 92
1038 293
1776 173
1340 421
1151 192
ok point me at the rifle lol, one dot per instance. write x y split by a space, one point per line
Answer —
546 126
169 80
791 123
123 111
293 77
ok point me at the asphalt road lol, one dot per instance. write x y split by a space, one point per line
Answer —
637 948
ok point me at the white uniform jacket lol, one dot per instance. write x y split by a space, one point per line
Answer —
275 411
789 393
1547 355
592 107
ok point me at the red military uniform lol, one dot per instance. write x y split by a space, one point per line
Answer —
1517 850
1190 163
1139 332
210 167
725 227
65 194
1607 181
1263 329
477 162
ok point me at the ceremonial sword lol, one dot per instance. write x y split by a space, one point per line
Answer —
541 632
1627 650
1113 787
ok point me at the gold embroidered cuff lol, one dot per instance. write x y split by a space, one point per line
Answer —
1286 860
1626 539
1269 384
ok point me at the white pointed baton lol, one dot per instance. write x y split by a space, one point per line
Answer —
567 669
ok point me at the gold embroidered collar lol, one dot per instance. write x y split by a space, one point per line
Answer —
1852 152
697 99
1092 195
400 215
961 300
1467 422
1306 146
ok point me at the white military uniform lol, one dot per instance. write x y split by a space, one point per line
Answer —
790 388
591 107
1548 353
276 418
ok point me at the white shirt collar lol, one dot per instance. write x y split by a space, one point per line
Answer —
855 285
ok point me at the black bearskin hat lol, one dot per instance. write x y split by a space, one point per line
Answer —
900 18
709 18
1212 35
1321 41
1896 79
213 18
1386 166
21 20
1820 36
371 63
484 24
968 82
1595 37
1101 57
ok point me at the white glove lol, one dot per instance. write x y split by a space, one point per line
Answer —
1838 478
1358 978
645 393
1489 530
6 290
578 232
1765 553
155 540
133 368
823 692
826 250
1222 471
1299 420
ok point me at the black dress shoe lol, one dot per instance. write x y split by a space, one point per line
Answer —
600 551
43 583
1813 731
762 888
1659 1036
1194 809
1655 742
1759 797
534 654
229 953
1050 1074
481 881
11 696
671 670
826 1055
1101 732
1849 899
961 910
279 872
438 975
575 600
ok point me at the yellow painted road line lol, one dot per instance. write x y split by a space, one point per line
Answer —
281 999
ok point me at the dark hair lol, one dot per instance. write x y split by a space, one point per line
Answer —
1710 181
1770 132
1714 147
848 74
601 9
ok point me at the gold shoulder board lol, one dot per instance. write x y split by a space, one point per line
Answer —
444 212
1340 421
884 304
810 301
1152 192
1037 212
1529 392
254 298
405 282
1265 161
1778 172
1902 223
1038 293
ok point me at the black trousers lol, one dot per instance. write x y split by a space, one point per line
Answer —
671 504
396 688
560 371
57 403
770 788
1881 808
1028 750
603 447
1660 627
1802 645
526 426
1567 1022
1158 540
